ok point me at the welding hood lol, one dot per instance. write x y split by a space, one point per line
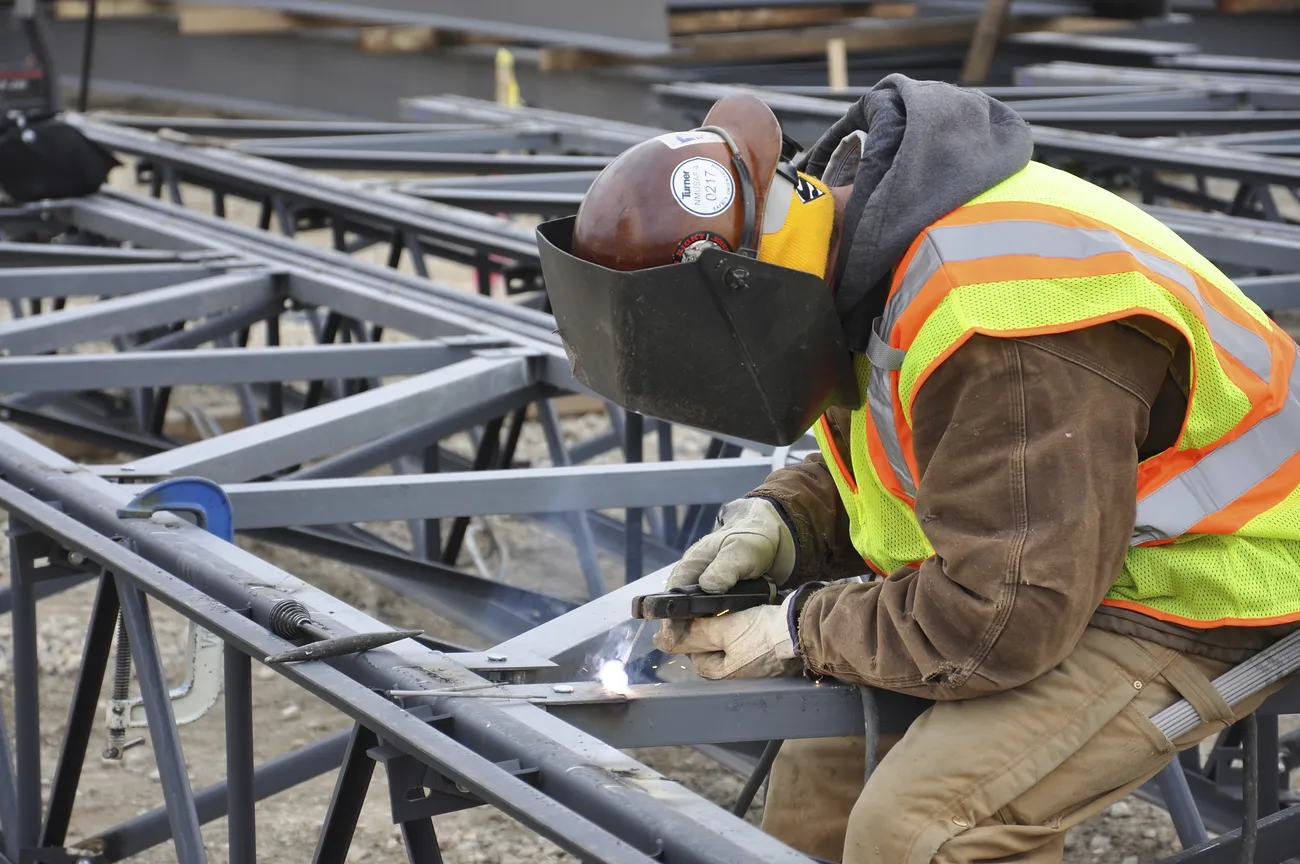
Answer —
724 342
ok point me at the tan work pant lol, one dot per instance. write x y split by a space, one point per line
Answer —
998 778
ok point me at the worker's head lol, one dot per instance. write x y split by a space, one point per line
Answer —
690 284
726 185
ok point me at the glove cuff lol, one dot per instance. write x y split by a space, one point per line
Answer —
787 552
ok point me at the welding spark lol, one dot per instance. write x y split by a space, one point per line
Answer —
613 676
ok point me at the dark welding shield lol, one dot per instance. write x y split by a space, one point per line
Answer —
723 341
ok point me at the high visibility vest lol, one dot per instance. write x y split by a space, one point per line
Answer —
1216 540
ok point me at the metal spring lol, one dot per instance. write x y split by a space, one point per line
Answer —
286 617
121 686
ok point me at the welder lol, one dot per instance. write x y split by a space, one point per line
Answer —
1057 478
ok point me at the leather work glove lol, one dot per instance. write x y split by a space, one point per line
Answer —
752 643
751 540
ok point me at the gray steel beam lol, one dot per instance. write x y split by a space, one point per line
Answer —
491 610
570 639
55 254
227 366
719 712
134 312
214 127
522 491
103 281
1233 241
586 794
479 139
550 182
295 438
505 201
262 177
339 159
1272 292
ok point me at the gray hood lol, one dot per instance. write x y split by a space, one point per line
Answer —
918 151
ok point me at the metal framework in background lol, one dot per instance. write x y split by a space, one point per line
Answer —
519 725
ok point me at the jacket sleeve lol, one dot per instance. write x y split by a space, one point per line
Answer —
1027 451
809 501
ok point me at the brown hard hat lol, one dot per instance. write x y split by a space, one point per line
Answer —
656 200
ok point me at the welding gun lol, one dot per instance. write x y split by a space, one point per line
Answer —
691 601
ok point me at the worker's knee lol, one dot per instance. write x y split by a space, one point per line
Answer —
875 833
812 788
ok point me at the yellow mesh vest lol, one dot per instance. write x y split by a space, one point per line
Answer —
1251 576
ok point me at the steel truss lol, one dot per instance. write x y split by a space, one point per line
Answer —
526 730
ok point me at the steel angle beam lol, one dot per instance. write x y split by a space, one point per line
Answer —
576 182
1070 73
1231 244
1228 63
715 712
54 254
1281 291
484 493
225 366
502 201
483 111
133 313
266 447
247 129
435 163
491 610
263 177
478 139
100 281
1151 123
1276 843
571 639
1004 94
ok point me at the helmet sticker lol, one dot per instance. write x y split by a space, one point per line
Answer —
806 191
702 186
694 136
692 244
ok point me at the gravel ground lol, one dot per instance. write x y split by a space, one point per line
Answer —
1130 832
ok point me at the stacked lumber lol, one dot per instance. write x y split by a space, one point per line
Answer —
741 32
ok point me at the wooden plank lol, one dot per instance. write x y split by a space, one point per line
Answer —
78 9
837 64
400 40
1256 5
217 20
761 18
567 59
859 34
985 41
1233 6
893 10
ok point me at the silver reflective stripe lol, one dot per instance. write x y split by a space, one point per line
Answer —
925 263
1224 475
1029 237
882 354
880 398
1214 482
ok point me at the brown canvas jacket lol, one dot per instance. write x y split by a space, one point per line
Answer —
1028 452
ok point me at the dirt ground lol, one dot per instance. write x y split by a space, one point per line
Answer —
285 718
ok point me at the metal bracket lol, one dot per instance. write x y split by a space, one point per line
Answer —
416 791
